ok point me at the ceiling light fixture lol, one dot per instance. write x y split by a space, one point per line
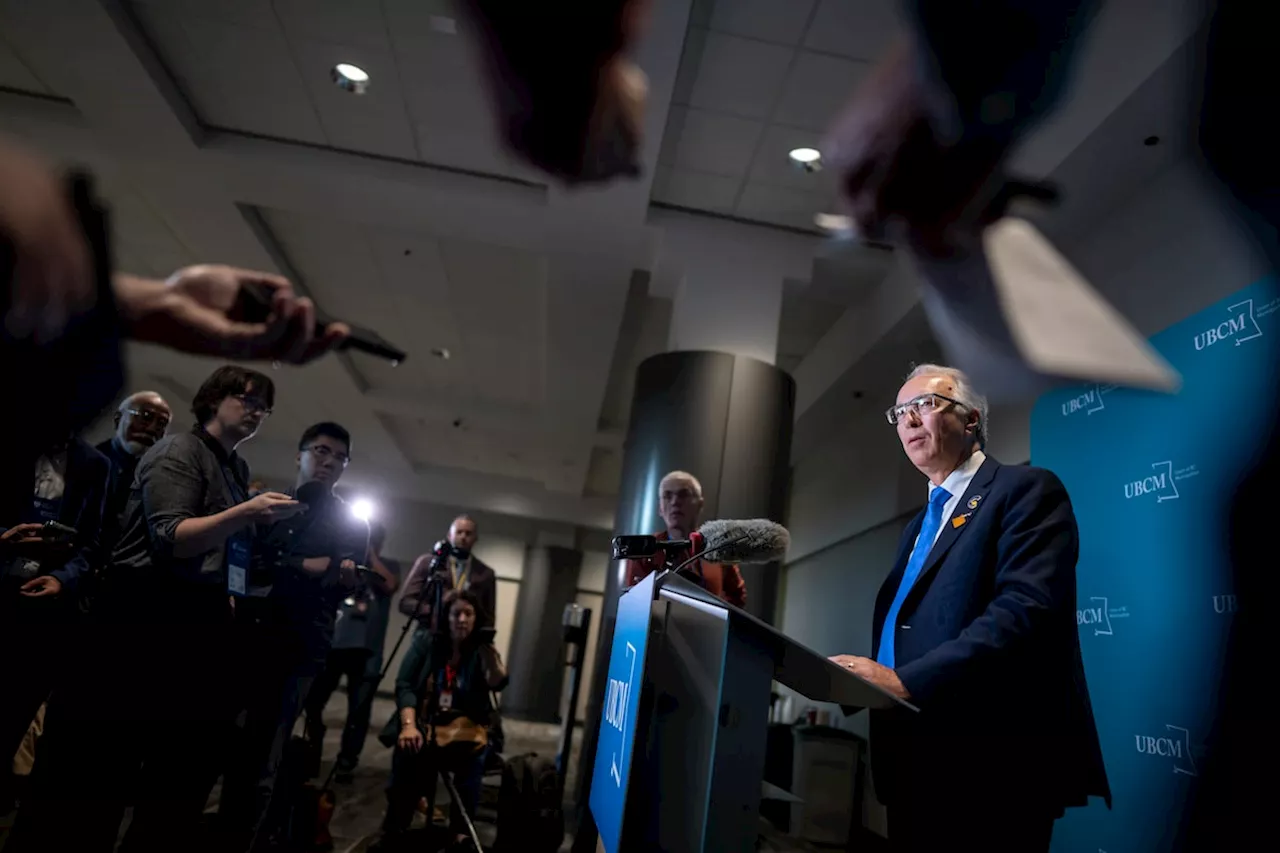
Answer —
441 352
350 78
834 224
807 159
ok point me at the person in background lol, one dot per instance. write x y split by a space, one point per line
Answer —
976 626
141 420
443 706
680 505
40 569
164 607
453 561
358 640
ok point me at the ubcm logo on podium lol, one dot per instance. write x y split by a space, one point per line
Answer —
614 745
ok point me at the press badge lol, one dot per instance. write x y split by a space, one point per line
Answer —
239 555
446 700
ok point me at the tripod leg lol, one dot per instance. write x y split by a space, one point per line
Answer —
456 799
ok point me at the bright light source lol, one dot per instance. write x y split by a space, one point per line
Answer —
350 78
834 223
805 155
362 508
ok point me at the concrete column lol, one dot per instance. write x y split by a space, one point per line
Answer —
536 656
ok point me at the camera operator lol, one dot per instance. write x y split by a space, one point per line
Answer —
358 638
44 554
443 707
150 703
453 560
310 564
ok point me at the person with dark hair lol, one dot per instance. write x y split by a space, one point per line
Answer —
443 708
356 654
166 606
309 567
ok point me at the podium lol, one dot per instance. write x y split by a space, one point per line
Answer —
680 756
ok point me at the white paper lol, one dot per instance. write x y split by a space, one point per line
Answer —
1019 319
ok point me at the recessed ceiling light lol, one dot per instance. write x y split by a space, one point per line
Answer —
834 223
350 78
806 159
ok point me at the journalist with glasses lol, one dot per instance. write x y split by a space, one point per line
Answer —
975 625
149 712
308 564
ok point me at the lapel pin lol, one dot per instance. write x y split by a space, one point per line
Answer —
973 501
959 520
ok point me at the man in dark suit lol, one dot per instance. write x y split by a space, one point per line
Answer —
975 626
39 572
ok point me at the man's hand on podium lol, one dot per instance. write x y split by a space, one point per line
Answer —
868 670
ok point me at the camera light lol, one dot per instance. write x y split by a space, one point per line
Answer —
362 508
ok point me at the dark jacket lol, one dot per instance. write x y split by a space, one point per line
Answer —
988 648
425 659
481 581
123 467
82 507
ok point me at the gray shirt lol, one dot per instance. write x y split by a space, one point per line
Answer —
186 475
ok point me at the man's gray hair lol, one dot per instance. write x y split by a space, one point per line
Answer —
686 477
965 393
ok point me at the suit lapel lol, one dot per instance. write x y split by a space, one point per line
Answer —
72 478
951 530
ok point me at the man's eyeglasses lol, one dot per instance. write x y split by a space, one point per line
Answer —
321 451
680 494
254 404
919 406
146 417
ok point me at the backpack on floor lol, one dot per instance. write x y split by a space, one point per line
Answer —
530 807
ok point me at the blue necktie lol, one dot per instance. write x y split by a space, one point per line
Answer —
920 553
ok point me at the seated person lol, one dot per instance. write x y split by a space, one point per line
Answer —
442 697
680 504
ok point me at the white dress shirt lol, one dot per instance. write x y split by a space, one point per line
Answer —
957 483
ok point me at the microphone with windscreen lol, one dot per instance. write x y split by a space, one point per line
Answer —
754 540
312 493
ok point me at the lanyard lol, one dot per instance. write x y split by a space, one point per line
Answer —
459 578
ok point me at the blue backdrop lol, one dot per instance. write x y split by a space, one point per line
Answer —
1150 476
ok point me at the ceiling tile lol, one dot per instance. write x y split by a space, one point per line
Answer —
858 29
817 87
359 23
773 166
245 13
14 72
376 121
500 290
780 206
690 61
739 76
712 143
239 78
777 21
421 17
695 190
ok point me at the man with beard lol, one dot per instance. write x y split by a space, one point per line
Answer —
459 569
141 420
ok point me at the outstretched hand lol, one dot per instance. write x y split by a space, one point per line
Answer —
196 311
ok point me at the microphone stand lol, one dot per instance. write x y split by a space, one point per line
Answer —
700 555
